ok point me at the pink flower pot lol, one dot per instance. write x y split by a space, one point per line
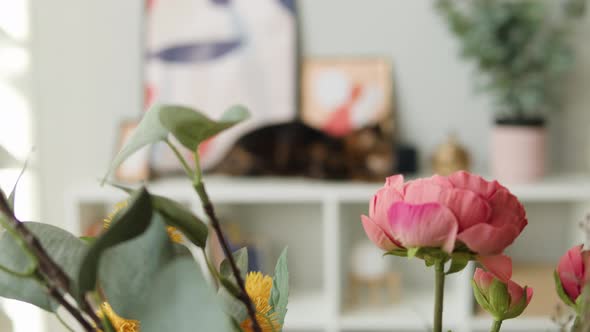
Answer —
518 153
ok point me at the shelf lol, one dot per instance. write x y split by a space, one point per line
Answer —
564 187
413 312
306 311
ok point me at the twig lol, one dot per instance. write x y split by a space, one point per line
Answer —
210 211
48 271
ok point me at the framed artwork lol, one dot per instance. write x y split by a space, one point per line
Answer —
211 54
136 167
340 96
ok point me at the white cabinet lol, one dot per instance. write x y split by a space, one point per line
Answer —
319 222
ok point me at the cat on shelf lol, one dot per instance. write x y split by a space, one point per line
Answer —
295 149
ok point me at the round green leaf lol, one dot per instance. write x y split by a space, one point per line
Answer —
191 127
181 301
63 247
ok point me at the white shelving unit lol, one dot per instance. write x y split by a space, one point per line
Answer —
319 221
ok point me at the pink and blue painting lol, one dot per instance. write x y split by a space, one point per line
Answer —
211 54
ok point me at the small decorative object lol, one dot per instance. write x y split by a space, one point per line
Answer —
203 54
523 51
456 218
368 271
344 95
450 157
136 167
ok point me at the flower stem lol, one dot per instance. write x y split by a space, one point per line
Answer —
496 326
439 288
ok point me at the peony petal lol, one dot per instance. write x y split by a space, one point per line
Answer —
515 291
488 240
571 272
529 295
483 279
475 183
377 235
395 181
499 265
425 225
468 207
381 203
506 209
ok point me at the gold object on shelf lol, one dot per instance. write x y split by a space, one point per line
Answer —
450 157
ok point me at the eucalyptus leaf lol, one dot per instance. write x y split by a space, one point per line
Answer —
128 270
178 216
149 131
182 301
279 296
241 258
229 292
191 127
129 223
175 214
67 251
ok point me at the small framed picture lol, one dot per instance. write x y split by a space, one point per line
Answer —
136 167
343 95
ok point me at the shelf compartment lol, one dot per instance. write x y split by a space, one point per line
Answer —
271 228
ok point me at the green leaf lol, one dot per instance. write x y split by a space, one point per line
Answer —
561 292
149 131
499 299
228 293
397 252
279 296
412 252
12 196
87 239
191 127
126 225
480 297
128 270
182 301
175 214
241 259
63 247
459 261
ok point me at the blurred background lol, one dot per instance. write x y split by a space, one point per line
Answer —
342 93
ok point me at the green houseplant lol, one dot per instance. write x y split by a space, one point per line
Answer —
521 48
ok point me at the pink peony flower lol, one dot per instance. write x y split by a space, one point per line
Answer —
571 271
445 212
493 294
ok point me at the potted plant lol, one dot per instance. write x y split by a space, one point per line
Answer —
521 49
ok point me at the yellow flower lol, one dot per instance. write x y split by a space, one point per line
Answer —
258 287
174 234
120 324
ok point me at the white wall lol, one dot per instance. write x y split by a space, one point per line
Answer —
86 58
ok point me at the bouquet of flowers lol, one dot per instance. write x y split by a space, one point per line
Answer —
139 274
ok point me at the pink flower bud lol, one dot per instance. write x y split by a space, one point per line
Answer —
571 272
503 300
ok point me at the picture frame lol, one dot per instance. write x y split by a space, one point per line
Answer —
137 167
341 95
